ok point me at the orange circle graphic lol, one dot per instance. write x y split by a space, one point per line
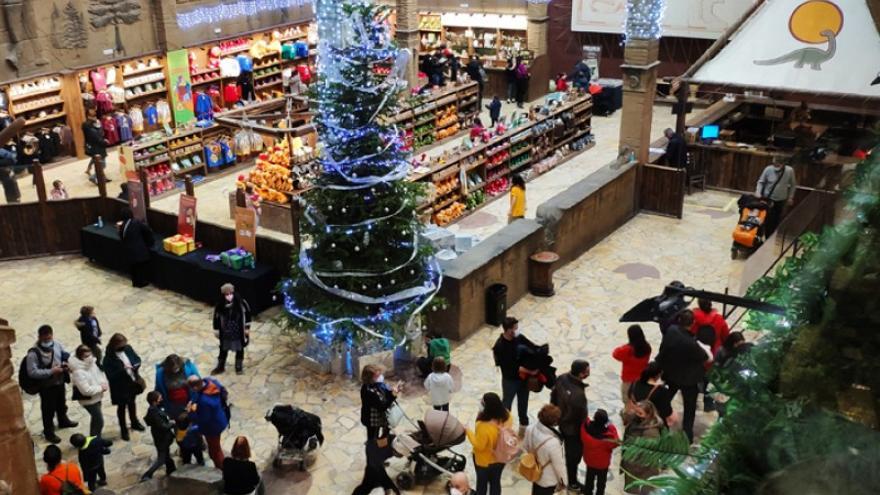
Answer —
812 17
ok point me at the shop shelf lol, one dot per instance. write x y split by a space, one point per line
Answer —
145 94
46 118
152 162
476 188
446 202
268 74
150 155
207 81
142 71
185 171
204 71
55 101
515 154
474 165
20 97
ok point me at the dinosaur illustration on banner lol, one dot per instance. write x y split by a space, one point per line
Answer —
813 22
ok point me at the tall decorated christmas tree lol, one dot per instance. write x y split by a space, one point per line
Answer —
361 276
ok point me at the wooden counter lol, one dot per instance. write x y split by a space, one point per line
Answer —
738 169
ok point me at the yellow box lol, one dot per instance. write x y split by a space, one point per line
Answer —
178 245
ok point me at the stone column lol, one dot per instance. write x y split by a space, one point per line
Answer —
407 36
536 29
17 465
639 85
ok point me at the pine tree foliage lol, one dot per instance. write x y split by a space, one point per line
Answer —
783 414
362 274
74 33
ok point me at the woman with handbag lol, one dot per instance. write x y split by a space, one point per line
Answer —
640 421
121 364
545 467
89 385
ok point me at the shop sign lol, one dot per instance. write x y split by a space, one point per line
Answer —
182 104
186 216
246 229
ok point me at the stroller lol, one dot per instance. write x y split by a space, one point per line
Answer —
748 235
422 449
299 436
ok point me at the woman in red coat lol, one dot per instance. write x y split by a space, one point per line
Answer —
600 438
634 356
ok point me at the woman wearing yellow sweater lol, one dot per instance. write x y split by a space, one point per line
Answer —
517 199
483 438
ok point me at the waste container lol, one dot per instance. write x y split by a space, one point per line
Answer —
496 304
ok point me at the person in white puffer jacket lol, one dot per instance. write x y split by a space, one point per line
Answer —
543 440
89 385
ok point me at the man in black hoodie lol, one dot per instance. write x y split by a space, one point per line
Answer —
569 395
682 358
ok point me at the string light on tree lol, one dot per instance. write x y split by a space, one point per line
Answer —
644 19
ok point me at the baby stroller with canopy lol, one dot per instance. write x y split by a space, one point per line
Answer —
299 436
748 235
423 448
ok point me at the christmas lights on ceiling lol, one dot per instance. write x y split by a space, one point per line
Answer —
228 11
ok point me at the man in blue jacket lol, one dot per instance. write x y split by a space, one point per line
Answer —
209 409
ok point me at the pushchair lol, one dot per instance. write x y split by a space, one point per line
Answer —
299 436
748 235
423 448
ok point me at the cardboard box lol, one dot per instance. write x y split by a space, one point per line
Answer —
438 237
178 244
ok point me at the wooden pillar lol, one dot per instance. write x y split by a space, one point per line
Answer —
76 115
100 176
142 175
407 36
17 466
39 181
682 92
639 86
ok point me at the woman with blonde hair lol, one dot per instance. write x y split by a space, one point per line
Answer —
640 421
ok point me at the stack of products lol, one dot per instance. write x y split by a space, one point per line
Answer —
497 186
179 244
237 259
160 178
219 152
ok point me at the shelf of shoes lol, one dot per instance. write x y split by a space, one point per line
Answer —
38 100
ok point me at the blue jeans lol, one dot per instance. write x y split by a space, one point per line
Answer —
511 388
7 176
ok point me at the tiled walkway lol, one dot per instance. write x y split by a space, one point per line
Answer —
580 321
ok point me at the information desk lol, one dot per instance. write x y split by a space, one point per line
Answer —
190 274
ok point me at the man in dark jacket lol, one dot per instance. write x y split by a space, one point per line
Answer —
682 358
137 240
676 149
474 70
232 326
89 331
570 397
506 353
46 363
162 429
494 108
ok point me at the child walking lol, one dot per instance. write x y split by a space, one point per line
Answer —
439 384
189 440
600 438
162 429
91 459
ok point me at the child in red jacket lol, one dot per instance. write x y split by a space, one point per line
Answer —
600 438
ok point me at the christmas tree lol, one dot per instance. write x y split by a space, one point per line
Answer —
361 276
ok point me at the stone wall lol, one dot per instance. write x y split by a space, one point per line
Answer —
17 466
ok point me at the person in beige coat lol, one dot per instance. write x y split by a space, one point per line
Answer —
545 442
89 385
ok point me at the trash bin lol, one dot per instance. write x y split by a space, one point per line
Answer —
541 273
496 304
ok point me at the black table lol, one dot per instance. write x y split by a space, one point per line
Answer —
191 274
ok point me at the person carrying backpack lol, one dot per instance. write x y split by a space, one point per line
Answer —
61 478
546 466
492 429
42 372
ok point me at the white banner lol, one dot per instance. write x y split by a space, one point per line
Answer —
822 46
682 18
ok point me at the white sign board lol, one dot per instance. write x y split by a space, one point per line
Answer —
682 18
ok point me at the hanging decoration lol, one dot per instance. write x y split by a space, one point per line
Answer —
644 19
232 10
361 275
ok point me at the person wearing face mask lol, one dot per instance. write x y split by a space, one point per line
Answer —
232 325
460 485
89 385
46 363
121 364
376 398
506 354
569 395
776 184
484 437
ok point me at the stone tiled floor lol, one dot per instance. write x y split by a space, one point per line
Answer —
580 321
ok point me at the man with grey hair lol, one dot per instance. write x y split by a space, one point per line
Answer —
232 326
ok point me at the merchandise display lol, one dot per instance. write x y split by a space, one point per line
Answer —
47 132
238 259
179 244
438 116
491 37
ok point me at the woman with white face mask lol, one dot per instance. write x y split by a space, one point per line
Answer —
89 385
232 326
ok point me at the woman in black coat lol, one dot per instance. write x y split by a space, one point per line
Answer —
137 240
232 326
96 145
121 365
